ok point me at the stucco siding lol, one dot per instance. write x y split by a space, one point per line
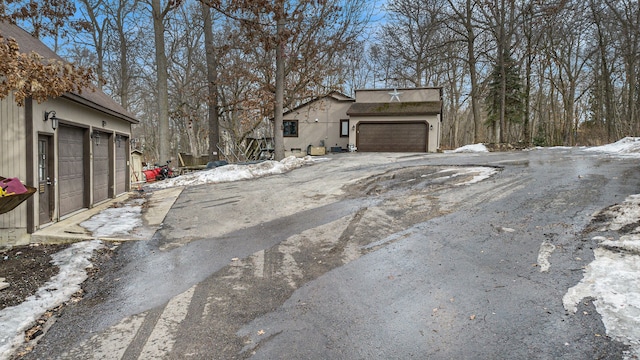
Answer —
12 162
318 125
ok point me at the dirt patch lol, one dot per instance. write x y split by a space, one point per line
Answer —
26 269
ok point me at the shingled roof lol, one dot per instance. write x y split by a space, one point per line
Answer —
91 97
395 108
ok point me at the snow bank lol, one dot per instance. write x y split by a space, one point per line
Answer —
629 146
473 148
233 172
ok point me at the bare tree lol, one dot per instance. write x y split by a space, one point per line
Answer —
567 38
464 25
302 38
411 36
158 14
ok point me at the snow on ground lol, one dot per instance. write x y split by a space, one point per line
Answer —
613 280
613 277
473 148
629 146
115 221
232 172
15 320
479 173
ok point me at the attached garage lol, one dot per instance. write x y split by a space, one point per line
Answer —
52 146
101 163
71 169
392 136
402 120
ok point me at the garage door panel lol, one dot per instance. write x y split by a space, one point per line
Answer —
71 169
392 137
121 165
101 168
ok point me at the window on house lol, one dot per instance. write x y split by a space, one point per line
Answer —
344 128
290 128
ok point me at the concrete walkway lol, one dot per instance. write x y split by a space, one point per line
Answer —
158 204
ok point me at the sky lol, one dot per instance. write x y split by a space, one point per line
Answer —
612 278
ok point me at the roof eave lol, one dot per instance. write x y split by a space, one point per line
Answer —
82 100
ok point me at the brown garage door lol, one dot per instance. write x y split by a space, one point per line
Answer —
121 164
392 137
71 165
100 146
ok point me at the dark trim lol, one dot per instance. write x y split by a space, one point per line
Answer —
112 166
395 109
297 128
127 144
341 122
28 126
86 148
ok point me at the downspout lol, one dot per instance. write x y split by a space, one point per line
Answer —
441 117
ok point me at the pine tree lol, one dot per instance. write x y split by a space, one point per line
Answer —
513 93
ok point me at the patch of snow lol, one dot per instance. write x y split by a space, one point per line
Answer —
115 221
613 279
228 173
481 173
628 146
546 249
473 148
624 214
15 320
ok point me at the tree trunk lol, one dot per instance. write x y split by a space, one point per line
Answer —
278 135
212 80
161 83
473 73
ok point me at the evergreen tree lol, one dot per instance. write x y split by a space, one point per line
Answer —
512 92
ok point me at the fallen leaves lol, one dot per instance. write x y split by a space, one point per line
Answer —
32 76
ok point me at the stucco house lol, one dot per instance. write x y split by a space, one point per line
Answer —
73 149
377 120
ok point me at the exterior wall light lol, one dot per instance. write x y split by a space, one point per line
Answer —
54 120
96 137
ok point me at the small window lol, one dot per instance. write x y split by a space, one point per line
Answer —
290 128
344 128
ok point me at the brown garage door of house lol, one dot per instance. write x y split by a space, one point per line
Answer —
121 164
392 137
71 168
100 145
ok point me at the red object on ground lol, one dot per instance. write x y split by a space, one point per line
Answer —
150 175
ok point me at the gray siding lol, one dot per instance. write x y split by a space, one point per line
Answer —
13 162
